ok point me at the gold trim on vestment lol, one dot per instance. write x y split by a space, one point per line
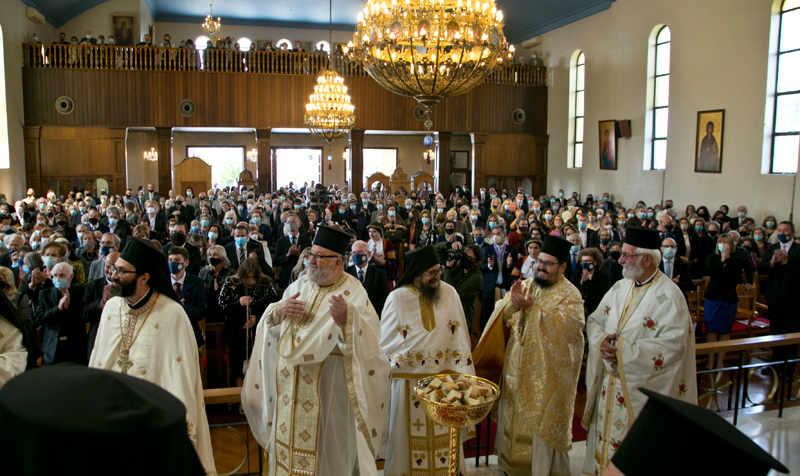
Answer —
624 382
431 450
425 308
361 425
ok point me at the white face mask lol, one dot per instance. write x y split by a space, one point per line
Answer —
151 210
254 236
499 240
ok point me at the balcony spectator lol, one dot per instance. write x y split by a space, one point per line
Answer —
535 61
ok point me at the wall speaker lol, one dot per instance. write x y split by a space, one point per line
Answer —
65 105
623 128
518 116
187 108
421 112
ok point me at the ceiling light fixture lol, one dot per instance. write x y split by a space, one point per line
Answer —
210 26
151 155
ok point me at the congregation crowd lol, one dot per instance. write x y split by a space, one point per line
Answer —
253 260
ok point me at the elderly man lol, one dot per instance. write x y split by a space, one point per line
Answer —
108 243
423 332
641 335
540 367
674 267
96 293
145 332
315 395
371 277
12 243
118 225
666 226
499 270
60 309
461 227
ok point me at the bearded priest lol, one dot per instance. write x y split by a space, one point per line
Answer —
423 332
641 335
316 391
542 364
145 332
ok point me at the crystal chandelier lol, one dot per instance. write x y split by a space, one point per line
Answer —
329 113
430 49
151 155
210 26
252 155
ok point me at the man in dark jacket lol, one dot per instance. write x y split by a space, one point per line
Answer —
372 278
96 294
465 275
60 310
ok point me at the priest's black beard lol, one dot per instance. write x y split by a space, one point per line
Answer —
542 282
431 293
123 289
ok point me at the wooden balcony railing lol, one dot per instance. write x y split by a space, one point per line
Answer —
134 58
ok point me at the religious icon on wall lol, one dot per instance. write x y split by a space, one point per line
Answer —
708 148
123 28
608 145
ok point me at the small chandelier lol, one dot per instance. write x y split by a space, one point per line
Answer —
151 155
430 49
252 155
210 26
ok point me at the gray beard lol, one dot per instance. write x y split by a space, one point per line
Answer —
320 275
633 272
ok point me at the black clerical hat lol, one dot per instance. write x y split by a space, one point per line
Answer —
556 247
665 436
332 238
417 262
642 237
70 419
146 258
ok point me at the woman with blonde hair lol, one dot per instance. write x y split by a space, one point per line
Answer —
18 300
301 266
214 276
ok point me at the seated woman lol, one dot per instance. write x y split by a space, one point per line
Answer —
214 238
591 282
244 296
725 271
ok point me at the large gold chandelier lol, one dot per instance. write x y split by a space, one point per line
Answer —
430 49
329 113
210 26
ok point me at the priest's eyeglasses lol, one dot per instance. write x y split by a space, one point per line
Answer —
319 257
628 255
434 273
114 270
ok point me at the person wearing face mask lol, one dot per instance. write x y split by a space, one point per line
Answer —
674 267
591 281
666 229
287 249
499 271
59 309
157 220
371 277
214 276
519 235
188 288
464 274
759 239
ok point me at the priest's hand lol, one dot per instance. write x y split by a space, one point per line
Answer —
608 350
338 309
291 307
518 297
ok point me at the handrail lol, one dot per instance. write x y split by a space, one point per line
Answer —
213 396
139 58
748 343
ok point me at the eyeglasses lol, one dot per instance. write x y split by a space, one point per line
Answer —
114 270
319 257
547 264
432 274
627 256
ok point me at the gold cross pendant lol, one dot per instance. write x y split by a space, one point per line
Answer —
124 362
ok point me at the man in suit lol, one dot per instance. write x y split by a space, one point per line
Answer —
781 264
535 61
363 211
498 270
94 221
605 222
741 215
178 239
108 243
181 211
151 194
372 278
288 248
665 226
189 289
674 267
96 294
242 248
118 225
60 310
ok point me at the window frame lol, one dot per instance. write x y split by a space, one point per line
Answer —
580 63
778 94
654 139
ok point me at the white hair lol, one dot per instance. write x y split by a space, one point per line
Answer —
655 255
67 267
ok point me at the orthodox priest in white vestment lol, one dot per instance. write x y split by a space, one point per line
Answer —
641 335
316 390
145 332
423 332
14 343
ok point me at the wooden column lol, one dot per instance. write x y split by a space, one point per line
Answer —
33 159
356 161
540 185
164 149
264 181
478 173
443 140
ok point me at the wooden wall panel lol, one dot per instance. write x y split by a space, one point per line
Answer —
150 99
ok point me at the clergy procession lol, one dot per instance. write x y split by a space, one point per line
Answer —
342 348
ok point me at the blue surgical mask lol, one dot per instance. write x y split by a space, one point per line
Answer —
240 207
82 210
478 240
426 220
204 223
352 207
784 238
582 225
50 261
391 213
491 224
229 221
630 215
548 217
587 266
105 250
359 259
721 246
112 221
240 241
26 269
770 224
195 229
537 209
574 249
669 253
649 214
212 235
698 228
60 283
17 263
758 237
256 220
379 206
475 205
175 268
305 263
409 207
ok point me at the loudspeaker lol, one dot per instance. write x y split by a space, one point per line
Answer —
518 116
187 108
65 105
421 112
623 128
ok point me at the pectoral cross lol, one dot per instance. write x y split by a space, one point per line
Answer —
418 424
124 362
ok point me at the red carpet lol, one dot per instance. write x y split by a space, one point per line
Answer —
578 434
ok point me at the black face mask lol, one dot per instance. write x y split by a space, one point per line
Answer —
214 261
93 221
178 202
62 223
467 262
178 239
449 231
49 214
712 233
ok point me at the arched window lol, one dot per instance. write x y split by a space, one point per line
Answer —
201 42
283 41
4 151
323 45
576 109
244 43
658 158
786 120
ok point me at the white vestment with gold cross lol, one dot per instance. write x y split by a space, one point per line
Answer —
316 393
655 350
13 355
164 353
421 338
